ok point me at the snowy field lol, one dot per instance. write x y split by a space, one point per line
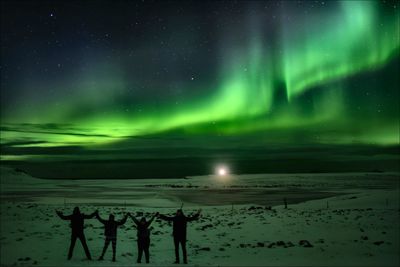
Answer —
332 219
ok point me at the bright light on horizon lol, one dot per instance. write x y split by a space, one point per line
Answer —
222 171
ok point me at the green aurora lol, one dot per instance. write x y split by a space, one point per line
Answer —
299 84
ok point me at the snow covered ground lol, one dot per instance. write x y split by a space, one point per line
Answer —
332 219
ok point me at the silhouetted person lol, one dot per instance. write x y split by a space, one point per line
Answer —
143 236
179 231
110 233
77 221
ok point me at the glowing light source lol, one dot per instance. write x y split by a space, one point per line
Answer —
222 171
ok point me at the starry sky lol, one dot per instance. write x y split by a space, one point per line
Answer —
247 83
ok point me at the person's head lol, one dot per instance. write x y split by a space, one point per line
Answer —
143 220
179 212
111 217
76 210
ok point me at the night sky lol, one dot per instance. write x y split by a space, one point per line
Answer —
172 88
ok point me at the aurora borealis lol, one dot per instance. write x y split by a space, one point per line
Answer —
146 76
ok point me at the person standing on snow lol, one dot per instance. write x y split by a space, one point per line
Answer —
110 233
77 224
179 231
143 237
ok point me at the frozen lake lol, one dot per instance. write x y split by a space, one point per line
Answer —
262 189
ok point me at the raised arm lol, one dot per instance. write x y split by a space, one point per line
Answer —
100 219
194 217
121 222
91 215
166 218
62 216
134 219
152 219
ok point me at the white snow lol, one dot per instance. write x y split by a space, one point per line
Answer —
356 225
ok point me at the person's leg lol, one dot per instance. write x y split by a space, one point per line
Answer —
146 250
71 246
106 243
114 247
183 244
176 243
140 251
85 247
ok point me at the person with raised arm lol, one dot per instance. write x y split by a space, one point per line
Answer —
179 231
77 224
110 233
143 236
